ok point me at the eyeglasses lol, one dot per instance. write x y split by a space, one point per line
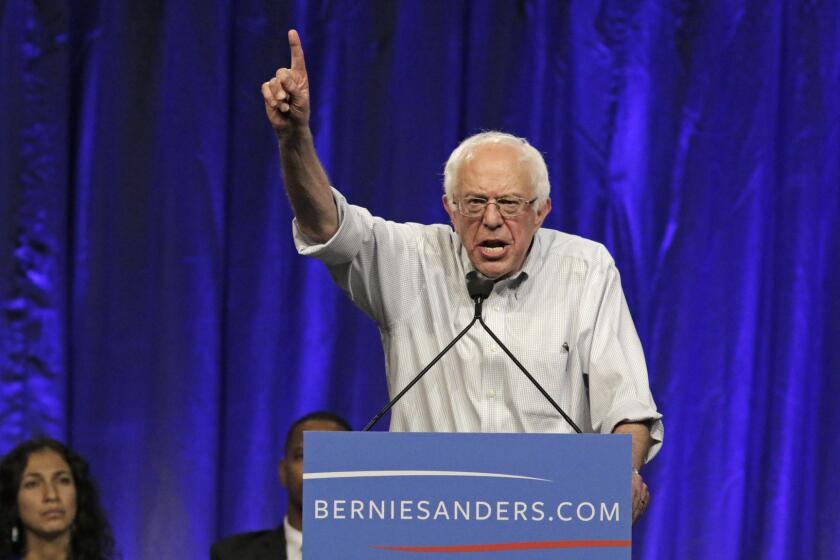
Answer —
508 206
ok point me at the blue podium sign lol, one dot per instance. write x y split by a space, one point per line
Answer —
393 496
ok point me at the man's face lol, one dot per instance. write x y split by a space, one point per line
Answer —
496 246
291 467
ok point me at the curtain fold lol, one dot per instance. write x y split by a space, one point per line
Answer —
156 315
34 219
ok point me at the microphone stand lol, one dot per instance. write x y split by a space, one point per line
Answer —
530 377
476 317
479 288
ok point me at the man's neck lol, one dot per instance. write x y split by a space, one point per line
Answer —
295 516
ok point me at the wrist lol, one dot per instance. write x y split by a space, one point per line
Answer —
295 139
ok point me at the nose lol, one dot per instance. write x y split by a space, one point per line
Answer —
50 492
492 218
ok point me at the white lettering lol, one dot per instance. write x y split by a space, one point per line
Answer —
338 509
607 515
405 509
479 506
357 509
423 508
560 515
441 511
373 510
585 505
321 509
462 512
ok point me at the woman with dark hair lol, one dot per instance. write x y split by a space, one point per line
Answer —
49 505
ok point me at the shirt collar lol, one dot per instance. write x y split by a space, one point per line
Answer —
533 258
293 536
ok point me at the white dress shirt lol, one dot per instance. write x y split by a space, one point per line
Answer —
564 316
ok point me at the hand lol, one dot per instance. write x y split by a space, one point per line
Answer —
286 95
641 496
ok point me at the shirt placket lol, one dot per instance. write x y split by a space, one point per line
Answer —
493 379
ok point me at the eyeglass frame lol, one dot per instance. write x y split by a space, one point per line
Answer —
525 204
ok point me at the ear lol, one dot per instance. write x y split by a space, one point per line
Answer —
281 473
449 211
546 208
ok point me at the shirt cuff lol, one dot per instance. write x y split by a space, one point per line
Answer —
343 245
637 411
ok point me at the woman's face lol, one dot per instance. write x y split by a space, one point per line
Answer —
47 496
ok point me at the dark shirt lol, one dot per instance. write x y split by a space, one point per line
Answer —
258 545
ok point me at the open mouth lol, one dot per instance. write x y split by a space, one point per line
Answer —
492 248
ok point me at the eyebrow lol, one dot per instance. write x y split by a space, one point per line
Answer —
40 475
502 197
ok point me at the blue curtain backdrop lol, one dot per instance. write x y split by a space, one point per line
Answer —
156 316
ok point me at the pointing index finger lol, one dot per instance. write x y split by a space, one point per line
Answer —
298 63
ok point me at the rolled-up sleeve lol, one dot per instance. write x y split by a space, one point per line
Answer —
362 257
619 387
345 244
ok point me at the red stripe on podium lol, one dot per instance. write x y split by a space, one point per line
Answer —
538 545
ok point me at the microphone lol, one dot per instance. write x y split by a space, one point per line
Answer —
479 287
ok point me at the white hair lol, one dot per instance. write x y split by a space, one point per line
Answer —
529 157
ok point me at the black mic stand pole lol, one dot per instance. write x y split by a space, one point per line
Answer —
528 375
476 317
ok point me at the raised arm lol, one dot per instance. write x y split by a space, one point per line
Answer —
286 98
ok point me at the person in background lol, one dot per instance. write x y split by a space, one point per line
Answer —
286 541
49 506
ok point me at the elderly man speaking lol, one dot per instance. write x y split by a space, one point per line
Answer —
556 302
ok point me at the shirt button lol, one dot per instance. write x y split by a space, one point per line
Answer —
491 393
497 308
493 349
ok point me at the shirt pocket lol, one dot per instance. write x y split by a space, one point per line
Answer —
549 368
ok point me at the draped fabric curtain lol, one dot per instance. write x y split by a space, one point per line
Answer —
155 315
